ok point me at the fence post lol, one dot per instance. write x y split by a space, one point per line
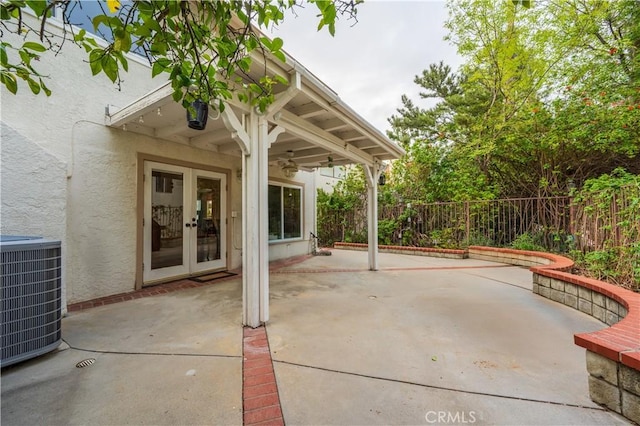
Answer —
467 229
614 220
572 217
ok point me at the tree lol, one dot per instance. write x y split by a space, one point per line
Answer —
204 46
547 98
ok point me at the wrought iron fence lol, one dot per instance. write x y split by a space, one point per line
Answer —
557 224
611 222
601 230
169 220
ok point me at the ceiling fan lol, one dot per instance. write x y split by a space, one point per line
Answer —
290 167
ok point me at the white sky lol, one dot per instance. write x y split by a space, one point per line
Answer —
371 64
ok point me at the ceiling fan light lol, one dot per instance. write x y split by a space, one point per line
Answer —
289 170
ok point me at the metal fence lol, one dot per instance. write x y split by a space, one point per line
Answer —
169 220
605 222
601 230
557 224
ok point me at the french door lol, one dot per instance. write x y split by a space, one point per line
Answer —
184 221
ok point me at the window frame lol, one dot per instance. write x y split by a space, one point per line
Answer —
282 186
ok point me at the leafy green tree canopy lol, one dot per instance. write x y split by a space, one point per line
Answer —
205 47
548 96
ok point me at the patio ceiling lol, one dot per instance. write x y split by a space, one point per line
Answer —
314 122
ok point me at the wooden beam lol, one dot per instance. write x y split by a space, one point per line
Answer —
145 104
234 126
332 124
282 99
317 136
280 148
308 110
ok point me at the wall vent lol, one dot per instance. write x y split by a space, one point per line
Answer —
31 297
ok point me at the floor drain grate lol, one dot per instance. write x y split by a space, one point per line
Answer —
85 363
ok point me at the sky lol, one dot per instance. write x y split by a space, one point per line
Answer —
372 63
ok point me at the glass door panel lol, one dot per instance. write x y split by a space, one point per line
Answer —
166 249
184 221
167 217
208 217
209 195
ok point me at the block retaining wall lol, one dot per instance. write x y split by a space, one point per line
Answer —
613 354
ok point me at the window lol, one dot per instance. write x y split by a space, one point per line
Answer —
285 212
164 181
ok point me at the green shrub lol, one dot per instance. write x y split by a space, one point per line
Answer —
526 242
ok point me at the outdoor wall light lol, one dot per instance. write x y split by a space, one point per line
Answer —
197 115
382 179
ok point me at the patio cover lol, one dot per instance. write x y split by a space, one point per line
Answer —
307 119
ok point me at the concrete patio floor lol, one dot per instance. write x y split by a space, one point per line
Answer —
422 341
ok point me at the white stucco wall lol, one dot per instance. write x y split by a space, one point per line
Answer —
102 210
326 182
76 97
33 191
67 176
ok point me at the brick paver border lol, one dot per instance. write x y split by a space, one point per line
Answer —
260 399
173 286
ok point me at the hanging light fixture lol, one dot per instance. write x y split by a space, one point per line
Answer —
382 179
330 161
197 115
290 169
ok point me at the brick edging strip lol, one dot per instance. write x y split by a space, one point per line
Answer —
170 287
154 290
408 249
260 398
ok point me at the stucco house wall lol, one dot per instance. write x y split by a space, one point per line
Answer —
65 175
33 190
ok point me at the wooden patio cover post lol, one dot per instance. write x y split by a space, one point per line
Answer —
372 173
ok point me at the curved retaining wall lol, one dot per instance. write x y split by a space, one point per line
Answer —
613 353
418 251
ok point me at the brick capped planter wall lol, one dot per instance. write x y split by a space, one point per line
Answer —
418 251
613 354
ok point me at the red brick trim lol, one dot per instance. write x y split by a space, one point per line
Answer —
260 399
170 287
621 341
545 260
155 290
407 249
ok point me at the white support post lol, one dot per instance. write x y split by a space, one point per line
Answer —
262 149
372 174
255 255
